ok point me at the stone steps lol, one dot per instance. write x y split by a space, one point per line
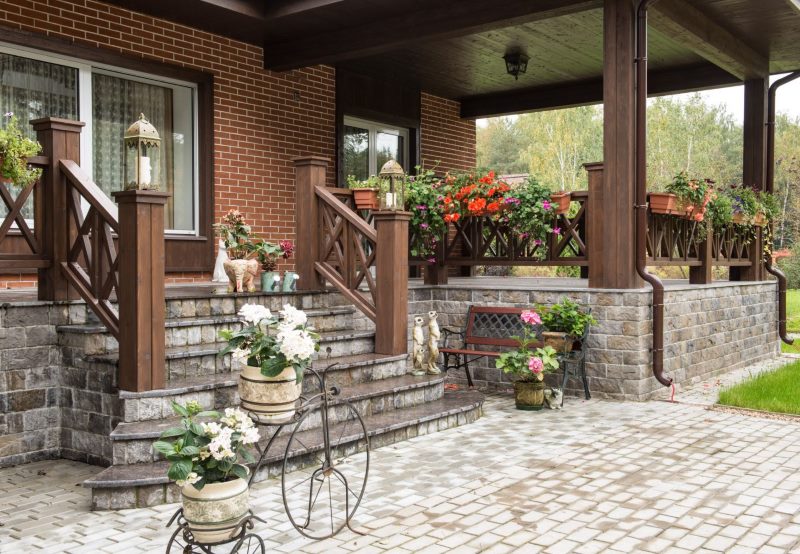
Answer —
132 441
146 484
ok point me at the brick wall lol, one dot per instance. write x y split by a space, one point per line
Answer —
445 137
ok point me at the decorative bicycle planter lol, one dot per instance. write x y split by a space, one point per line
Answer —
321 499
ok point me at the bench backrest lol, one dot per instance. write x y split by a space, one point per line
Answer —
494 325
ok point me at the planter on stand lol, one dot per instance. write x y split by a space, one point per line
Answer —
529 395
562 342
213 513
269 399
271 281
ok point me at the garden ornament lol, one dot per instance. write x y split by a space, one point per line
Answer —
433 343
242 274
553 398
418 354
219 269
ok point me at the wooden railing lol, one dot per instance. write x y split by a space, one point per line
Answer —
367 264
84 247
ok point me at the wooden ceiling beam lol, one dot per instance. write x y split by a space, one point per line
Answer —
582 93
683 23
437 20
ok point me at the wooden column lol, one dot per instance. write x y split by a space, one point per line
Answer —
309 174
611 202
141 289
594 171
754 165
703 274
391 298
60 140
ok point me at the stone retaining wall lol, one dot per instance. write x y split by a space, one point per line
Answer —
708 329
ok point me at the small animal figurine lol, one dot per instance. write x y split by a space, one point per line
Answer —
242 274
219 265
553 398
433 343
418 354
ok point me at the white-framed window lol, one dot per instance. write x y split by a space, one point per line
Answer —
108 99
367 145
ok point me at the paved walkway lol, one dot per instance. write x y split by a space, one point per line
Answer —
598 476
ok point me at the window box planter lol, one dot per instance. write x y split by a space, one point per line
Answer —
366 199
760 220
560 201
663 203
739 218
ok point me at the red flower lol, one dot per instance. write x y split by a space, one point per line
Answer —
493 207
476 205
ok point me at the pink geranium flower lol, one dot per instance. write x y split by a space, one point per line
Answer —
531 318
535 365
546 205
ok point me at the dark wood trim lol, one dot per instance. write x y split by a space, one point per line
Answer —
183 254
690 27
440 20
581 93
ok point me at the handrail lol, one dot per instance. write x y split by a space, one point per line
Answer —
353 218
91 192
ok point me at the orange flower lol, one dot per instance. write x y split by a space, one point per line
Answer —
476 205
493 207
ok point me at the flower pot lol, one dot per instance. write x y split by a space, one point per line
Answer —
271 281
529 395
213 514
760 220
562 342
269 399
663 203
366 199
241 274
739 218
560 202
290 281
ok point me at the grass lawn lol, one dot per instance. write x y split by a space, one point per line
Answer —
792 320
774 391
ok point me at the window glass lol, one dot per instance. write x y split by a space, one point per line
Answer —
356 152
389 146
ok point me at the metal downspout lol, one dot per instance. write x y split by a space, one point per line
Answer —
641 194
770 186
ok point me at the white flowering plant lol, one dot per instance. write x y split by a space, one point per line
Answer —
271 342
207 446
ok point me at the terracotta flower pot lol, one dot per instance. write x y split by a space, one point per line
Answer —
269 399
738 218
366 199
214 512
560 201
562 342
760 220
529 395
663 203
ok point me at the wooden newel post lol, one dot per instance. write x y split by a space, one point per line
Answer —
391 298
141 289
309 174
594 249
60 140
703 273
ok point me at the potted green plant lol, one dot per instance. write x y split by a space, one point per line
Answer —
427 224
769 208
720 210
277 351
15 149
692 195
204 453
745 204
528 366
365 193
268 255
530 213
564 323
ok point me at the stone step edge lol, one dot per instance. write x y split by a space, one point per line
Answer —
186 385
93 328
208 349
157 471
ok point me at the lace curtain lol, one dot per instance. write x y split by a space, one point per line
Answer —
117 103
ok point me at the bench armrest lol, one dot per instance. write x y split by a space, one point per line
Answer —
448 332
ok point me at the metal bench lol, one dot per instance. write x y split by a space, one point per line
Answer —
494 326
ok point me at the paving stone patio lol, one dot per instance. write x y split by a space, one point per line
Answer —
599 476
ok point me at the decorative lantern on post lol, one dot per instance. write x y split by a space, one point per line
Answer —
142 157
393 186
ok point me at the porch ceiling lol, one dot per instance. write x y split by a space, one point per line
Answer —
454 48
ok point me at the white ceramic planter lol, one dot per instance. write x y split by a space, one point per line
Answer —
214 513
269 399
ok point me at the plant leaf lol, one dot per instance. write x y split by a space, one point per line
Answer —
173 432
164 447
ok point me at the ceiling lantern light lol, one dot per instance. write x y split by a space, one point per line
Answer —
516 63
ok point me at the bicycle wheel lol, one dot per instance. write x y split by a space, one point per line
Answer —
321 499
251 544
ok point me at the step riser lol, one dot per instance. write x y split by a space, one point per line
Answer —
158 407
141 451
118 498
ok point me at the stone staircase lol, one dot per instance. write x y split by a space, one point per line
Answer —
395 406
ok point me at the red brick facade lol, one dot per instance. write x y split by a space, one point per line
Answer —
262 119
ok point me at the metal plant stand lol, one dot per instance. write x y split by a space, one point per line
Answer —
321 499
241 541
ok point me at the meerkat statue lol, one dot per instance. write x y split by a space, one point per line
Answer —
433 344
419 347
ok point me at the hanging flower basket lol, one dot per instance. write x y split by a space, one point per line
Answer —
366 199
663 203
560 202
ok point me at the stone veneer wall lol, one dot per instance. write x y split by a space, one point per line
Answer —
708 329
47 408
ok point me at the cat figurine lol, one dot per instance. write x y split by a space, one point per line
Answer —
553 398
